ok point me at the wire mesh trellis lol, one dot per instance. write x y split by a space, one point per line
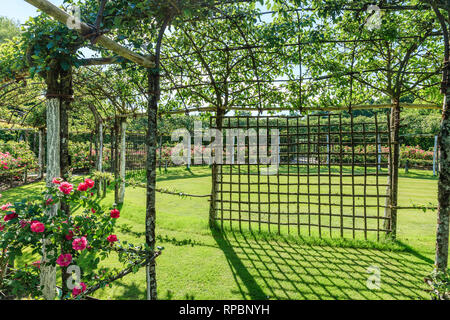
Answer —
332 178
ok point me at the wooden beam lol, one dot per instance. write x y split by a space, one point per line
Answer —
99 61
335 108
102 40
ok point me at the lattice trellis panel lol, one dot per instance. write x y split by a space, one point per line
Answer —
332 179
136 151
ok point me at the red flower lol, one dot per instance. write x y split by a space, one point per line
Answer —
48 201
37 227
79 243
115 213
57 180
6 206
65 188
112 238
90 183
79 289
64 260
2 227
37 264
82 187
93 210
10 216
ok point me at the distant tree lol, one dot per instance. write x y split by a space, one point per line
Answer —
9 28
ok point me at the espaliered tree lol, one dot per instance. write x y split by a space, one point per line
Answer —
350 59
211 64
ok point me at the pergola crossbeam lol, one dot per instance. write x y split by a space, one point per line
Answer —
102 40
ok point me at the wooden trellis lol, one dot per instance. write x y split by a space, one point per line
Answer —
333 178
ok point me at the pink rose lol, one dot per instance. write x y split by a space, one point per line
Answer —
115 213
90 183
82 187
10 216
48 201
64 260
112 238
37 227
57 180
6 206
65 187
37 264
79 243
79 289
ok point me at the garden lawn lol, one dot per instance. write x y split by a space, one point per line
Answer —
200 263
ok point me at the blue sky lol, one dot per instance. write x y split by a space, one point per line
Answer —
19 9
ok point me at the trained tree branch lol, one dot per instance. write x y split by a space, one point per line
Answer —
102 40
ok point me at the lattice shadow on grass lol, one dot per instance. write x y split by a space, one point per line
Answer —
282 270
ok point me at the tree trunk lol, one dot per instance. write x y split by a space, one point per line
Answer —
442 233
394 162
100 156
150 221
123 147
41 155
48 273
215 173
116 159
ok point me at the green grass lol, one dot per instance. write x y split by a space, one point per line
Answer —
200 263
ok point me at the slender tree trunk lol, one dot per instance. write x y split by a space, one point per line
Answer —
394 162
150 221
442 231
100 156
116 159
215 173
41 154
123 147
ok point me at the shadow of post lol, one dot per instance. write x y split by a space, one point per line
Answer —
238 268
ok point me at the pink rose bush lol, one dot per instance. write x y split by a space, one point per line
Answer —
15 159
84 238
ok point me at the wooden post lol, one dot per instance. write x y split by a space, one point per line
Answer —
41 153
160 153
379 153
123 148
116 159
215 172
435 155
100 156
189 155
